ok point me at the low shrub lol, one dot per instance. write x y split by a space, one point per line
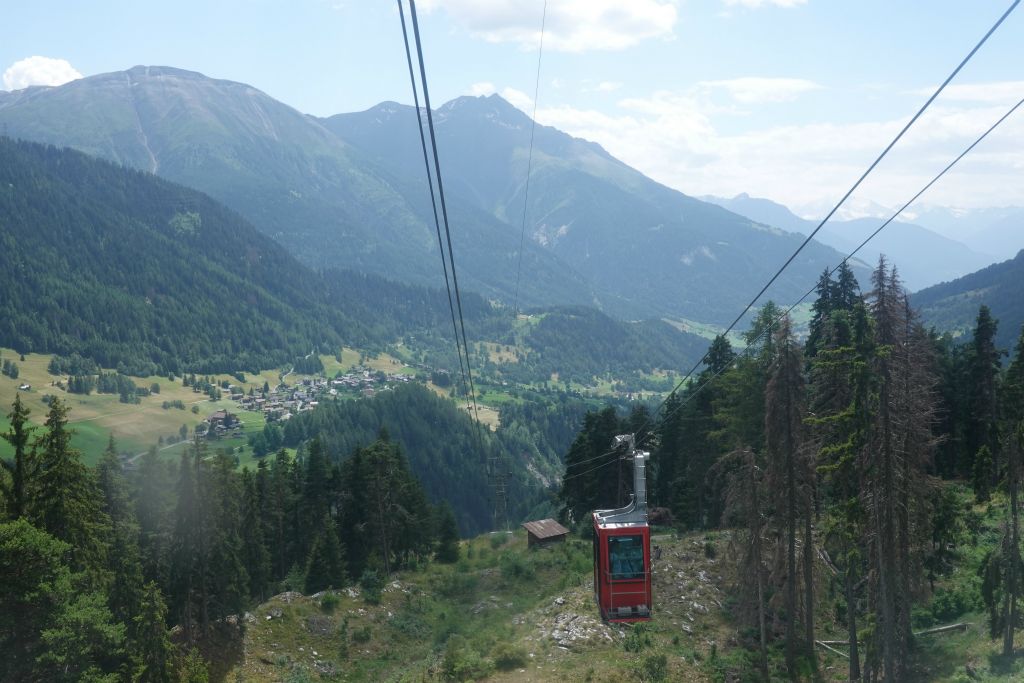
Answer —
507 656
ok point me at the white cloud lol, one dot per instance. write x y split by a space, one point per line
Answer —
608 86
673 138
756 90
39 71
517 98
1000 92
571 25
482 88
754 4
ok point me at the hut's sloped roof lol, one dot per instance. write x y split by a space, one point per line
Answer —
545 528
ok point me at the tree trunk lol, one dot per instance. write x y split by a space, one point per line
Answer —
1011 569
809 578
851 617
887 553
756 530
791 611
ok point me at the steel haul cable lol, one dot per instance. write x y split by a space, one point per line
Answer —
529 160
846 196
430 186
853 253
499 488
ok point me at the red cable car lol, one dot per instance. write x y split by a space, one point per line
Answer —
622 551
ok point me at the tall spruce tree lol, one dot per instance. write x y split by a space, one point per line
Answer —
21 468
152 647
66 502
745 508
124 564
256 557
840 392
983 377
447 534
325 567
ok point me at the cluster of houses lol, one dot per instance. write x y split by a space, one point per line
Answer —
284 401
365 381
221 423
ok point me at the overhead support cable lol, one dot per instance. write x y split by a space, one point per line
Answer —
849 256
846 196
430 186
501 503
529 161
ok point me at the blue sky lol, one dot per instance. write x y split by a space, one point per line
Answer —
786 99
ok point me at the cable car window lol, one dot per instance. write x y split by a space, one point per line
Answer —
626 557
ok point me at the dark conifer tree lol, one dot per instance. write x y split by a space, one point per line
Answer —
152 649
226 575
325 567
720 355
745 508
66 502
125 566
154 484
22 468
186 548
821 313
316 494
591 477
277 513
1011 396
983 377
447 535
254 549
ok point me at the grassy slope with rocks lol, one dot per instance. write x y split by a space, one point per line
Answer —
508 613
503 613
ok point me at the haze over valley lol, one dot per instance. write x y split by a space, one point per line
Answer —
616 363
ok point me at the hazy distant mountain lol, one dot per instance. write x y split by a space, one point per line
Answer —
953 306
922 256
996 230
648 250
283 171
348 192
763 211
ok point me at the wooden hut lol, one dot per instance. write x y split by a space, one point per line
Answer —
544 532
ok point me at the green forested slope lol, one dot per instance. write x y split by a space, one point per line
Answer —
128 269
441 443
283 171
131 270
953 306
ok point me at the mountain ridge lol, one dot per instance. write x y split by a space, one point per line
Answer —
953 306
601 233
924 257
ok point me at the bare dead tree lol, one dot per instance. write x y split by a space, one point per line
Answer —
744 505
790 479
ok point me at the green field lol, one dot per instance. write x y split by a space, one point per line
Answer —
135 427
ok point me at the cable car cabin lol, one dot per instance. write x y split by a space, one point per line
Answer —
622 553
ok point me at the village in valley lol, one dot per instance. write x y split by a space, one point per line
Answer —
280 403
